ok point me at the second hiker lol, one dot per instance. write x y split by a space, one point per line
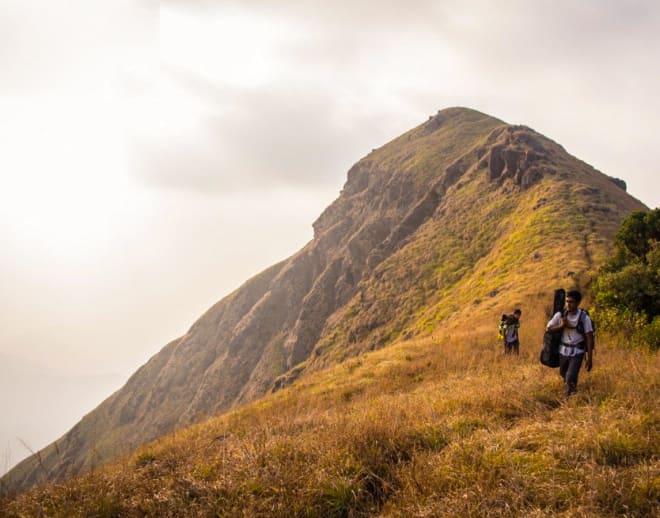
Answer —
509 331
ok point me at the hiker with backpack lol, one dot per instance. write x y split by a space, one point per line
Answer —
577 339
508 332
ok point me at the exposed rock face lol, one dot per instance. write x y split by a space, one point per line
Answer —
517 154
376 260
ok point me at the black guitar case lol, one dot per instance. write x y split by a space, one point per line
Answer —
551 341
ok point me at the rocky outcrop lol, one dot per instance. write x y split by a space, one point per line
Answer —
517 153
621 184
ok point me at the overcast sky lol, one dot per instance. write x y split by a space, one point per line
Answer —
155 155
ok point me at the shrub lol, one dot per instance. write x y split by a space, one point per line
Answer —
627 288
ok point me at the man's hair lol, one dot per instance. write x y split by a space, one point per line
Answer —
575 295
517 312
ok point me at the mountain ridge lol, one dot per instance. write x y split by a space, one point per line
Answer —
425 230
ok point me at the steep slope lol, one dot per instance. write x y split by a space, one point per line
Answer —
461 214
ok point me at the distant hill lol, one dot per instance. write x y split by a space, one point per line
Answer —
461 215
39 403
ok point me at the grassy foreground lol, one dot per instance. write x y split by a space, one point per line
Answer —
433 427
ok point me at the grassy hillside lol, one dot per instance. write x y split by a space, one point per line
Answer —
490 242
442 426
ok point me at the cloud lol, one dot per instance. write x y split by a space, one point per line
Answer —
254 140
303 90
294 92
290 106
61 48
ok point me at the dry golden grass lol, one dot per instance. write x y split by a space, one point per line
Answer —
446 426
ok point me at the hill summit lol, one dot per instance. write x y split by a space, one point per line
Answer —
462 214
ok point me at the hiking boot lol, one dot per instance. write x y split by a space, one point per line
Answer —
570 389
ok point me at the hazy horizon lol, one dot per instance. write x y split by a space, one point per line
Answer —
158 154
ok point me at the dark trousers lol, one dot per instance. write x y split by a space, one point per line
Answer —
569 368
511 347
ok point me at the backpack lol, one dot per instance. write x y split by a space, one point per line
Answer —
501 328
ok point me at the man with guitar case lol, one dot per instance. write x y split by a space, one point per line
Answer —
576 342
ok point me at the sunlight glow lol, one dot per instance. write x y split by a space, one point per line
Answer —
63 173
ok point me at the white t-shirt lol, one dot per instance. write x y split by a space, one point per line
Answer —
572 341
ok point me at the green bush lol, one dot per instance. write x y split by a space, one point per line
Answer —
627 288
651 334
